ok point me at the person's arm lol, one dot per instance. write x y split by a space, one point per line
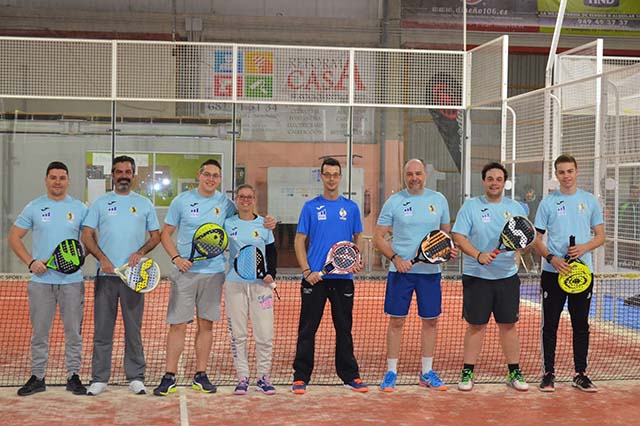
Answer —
166 238
384 247
558 263
299 244
467 248
90 242
14 239
150 244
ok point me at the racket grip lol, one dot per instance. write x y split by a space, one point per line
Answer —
496 251
273 287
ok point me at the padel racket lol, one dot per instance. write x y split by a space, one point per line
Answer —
579 279
435 248
141 278
209 241
518 233
250 263
343 258
67 258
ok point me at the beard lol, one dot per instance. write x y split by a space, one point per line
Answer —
123 184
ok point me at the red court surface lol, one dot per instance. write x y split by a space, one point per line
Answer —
617 403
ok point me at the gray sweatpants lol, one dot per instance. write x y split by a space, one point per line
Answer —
243 301
43 299
108 289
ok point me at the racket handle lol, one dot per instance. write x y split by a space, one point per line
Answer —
273 287
496 251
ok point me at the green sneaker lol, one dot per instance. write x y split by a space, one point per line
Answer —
466 380
516 381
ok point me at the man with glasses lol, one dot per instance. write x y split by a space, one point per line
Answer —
324 221
121 219
195 285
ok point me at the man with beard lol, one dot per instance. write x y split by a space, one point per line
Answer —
122 218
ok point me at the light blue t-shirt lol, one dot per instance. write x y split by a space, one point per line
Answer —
325 222
52 222
245 233
561 216
187 212
122 223
481 222
412 217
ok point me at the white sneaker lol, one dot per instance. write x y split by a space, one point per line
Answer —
516 381
96 388
466 380
137 387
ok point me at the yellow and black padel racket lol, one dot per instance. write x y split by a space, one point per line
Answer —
579 279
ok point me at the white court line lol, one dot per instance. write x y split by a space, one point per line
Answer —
184 414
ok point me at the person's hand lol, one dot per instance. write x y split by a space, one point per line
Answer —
107 267
270 222
182 264
313 278
560 265
38 267
268 279
134 259
455 251
402 266
485 258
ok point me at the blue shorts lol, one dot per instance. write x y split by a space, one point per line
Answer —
400 288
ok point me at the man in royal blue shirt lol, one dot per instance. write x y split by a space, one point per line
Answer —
324 221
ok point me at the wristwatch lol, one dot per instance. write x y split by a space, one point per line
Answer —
549 257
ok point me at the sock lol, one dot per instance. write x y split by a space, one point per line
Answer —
392 364
513 367
427 364
168 373
468 367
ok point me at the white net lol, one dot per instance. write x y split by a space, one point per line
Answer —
579 62
55 68
487 73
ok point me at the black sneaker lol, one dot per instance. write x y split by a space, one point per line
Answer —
582 382
201 383
33 385
75 385
167 386
548 383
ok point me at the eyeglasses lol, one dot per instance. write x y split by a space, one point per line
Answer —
208 175
245 197
331 175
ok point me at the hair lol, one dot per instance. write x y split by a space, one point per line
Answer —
123 159
330 161
565 158
56 165
494 165
245 186
210 162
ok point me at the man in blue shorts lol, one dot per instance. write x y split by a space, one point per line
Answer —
52 218
121 219
490 282
409 216
194 285
567 211
324 221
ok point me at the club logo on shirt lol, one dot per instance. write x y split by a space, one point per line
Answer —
216 211
234 233
581 208
194 210
322 214
133 209
45 214
70 216
112 208
561 210
343 214
256 234
432 209
407 209
507 215
485 215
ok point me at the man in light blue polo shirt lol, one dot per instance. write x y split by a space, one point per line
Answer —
490 282
121 219
52 218
408 216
